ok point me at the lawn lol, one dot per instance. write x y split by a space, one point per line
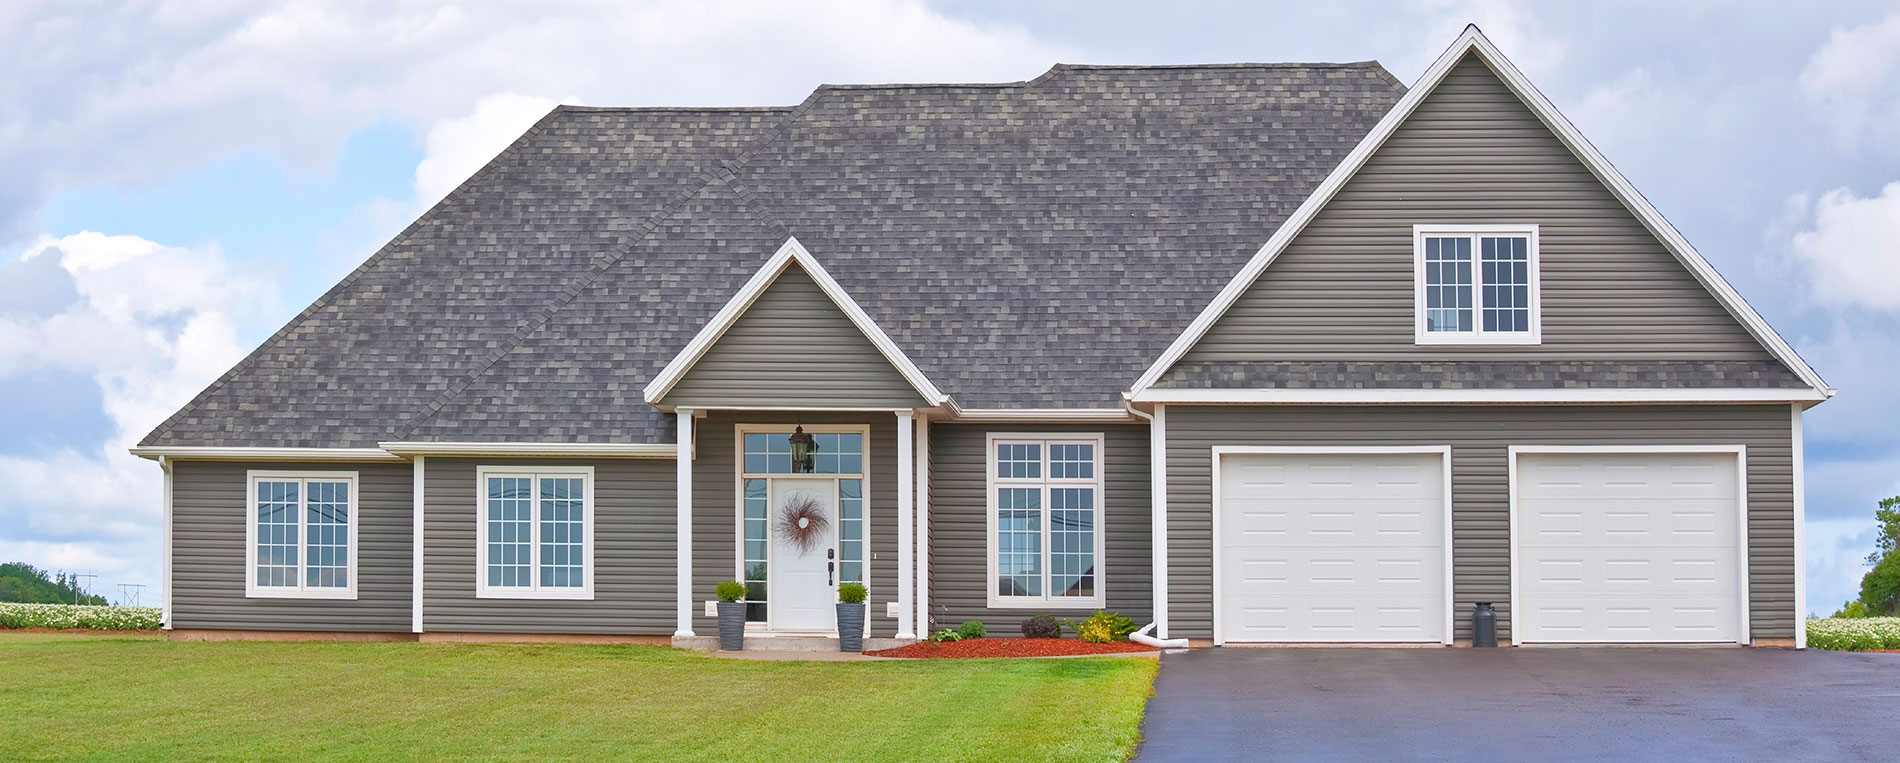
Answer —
97 696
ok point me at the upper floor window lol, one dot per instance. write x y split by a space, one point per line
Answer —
535 532
1476 284
1045 520
301 533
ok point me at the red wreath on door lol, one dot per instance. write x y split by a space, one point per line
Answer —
802 521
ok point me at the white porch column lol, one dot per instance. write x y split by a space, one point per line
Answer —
415 546
923 526
905 485
1158 520
684 518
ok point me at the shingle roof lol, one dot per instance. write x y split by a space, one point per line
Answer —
1031 244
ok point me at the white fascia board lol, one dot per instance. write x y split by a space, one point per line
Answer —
1078 415
790 252
1470 41
1474 396
199 453
544 449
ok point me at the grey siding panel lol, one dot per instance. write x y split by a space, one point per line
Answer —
1472 153
208 555
716 506
1480 436
793 347
634 586
959 506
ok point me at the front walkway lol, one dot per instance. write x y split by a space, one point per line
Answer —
1544 704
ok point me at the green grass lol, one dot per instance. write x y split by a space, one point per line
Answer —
144 698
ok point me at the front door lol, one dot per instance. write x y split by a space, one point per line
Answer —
803 518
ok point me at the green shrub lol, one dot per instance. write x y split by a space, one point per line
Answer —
81 617
1104 627
944 636
1880 587
972 629
1859 634
1851 609
852 593
730 591
1042 626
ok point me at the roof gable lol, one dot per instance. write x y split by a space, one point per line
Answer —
1472 59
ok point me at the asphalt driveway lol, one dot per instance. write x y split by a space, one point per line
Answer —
1543 704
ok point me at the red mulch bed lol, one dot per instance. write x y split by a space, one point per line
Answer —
1013 647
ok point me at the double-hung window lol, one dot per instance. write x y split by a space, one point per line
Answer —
300 535
1045 520
1476 284
535 532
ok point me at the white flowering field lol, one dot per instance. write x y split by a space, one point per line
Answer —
68 616
1854 634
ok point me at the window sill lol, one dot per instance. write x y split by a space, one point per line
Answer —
1478 339
576 595
1012 603
297 593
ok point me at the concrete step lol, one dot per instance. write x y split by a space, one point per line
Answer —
787 643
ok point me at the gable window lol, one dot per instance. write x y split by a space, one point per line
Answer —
301 535
1045 520
534 532
1476 284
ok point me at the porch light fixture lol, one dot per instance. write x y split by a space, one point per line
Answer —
804 451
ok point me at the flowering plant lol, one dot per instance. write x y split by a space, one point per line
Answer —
1854 634
70 617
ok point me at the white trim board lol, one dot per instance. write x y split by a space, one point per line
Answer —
1741 476
200 453
789 253
542 449
1221 451
1591 395
1474 41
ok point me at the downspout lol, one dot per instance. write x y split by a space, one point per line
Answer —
1142 637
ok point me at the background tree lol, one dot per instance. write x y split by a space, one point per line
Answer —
20 582
1880 587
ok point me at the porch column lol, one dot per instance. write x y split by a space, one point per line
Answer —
904 487
684 534
923 526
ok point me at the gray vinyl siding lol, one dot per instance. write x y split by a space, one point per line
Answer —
209 511
634 573
1479 437
716 507
959 514
793 347
1473 154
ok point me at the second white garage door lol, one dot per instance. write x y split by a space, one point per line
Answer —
1331 547
1628 547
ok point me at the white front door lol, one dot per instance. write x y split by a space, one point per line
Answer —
803 576
1332 547
1637 547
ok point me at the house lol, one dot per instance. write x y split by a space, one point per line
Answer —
1258 353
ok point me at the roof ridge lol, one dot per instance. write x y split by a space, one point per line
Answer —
495 165
602 263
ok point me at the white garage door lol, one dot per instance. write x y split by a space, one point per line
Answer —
1628 548
1346 547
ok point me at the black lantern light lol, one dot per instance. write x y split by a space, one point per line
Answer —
804 451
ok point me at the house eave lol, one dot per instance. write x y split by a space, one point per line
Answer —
1573 396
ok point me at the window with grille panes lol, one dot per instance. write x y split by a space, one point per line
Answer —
535 533
1476 284
301 532
1045 540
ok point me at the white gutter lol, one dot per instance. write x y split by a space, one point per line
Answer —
542 449
194 453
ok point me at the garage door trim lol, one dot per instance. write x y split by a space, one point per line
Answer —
1221 451
1740 452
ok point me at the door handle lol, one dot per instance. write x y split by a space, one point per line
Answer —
828 566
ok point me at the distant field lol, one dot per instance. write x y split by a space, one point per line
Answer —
97 696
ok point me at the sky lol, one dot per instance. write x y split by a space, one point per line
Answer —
178 179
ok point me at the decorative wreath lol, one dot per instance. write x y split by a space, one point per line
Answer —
802 521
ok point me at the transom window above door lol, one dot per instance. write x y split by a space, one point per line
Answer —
837 453
1476 284
1045 520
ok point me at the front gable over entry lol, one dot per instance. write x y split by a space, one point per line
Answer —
792 338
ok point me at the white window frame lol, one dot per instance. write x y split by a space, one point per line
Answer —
739 431
1477 334
534 590
299 591
1045 482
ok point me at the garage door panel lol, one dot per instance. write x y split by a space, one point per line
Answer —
1628 547
1332 547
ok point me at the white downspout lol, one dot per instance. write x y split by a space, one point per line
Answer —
1142 637
165 573
415 545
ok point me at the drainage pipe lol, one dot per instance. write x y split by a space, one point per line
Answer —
1142 637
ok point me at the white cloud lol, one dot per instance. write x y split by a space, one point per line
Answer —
456 148
1512 26
183 82
1850 248
1855 77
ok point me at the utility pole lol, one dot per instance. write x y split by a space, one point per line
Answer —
76 584
131 592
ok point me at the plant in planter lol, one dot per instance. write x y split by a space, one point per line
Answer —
851 617
731 615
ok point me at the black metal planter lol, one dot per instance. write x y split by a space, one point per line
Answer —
850 627
732 626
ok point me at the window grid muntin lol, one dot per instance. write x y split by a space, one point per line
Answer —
286 556
769 453
1042 487
541 523
279 540
1513 306
1449 284
1504 266
757 538
326 534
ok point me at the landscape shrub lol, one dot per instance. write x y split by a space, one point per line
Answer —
944 636
82 617
972 629
1042 626
1104 627
1855 634
730 591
